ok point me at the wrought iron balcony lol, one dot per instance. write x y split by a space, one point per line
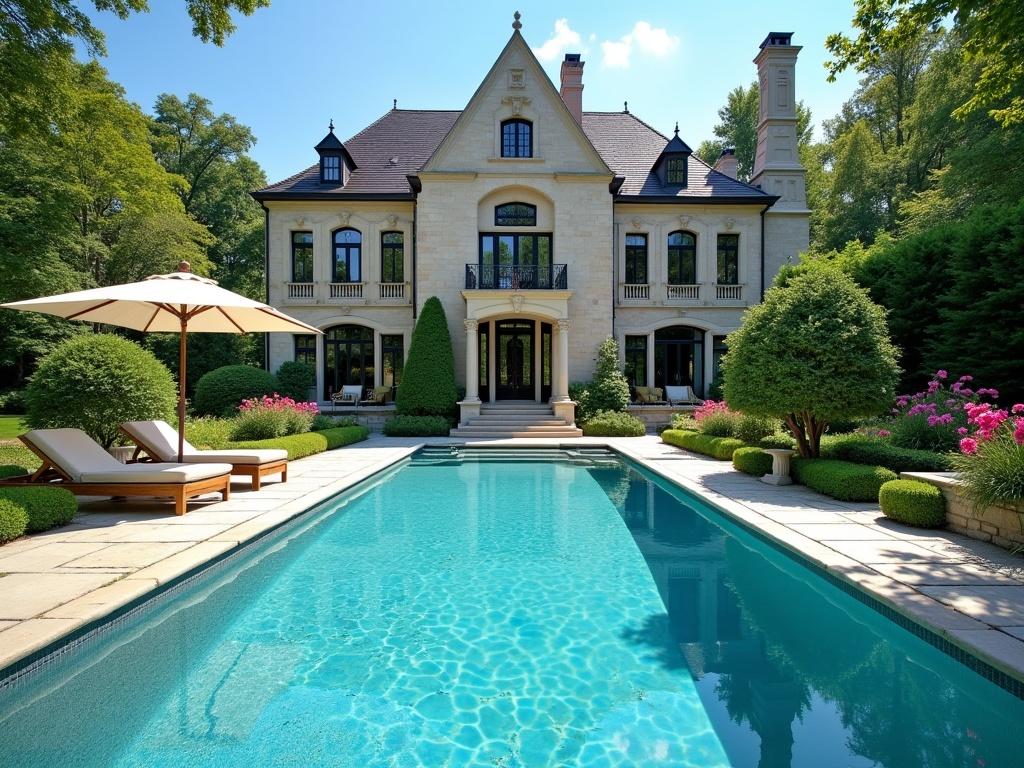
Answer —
521 277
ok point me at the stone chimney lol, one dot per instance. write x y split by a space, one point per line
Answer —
727 162
572 85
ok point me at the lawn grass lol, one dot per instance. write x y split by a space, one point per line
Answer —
11 427
18 455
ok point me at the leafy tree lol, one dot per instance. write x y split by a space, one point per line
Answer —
294 379
609 390
855 206
428 380
816 350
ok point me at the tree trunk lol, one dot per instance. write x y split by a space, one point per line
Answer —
797 428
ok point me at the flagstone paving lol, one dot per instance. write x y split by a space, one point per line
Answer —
969 591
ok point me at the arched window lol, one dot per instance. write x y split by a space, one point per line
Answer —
347 265
517 138
679 357
348 357
682 258
515 215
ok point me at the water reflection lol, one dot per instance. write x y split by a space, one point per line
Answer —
792 671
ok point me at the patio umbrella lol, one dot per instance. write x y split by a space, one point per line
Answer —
180 301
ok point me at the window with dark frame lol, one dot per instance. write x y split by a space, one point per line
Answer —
302 257
636 361
682 258
330 168
515 215
517 138
636 259
392 360
305 349
392 257
675 170
728 259
347 266
516 260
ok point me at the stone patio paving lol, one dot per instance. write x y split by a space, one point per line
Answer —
113 553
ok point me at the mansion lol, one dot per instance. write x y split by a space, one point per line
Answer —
542 228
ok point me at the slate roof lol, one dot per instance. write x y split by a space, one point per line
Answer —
402 140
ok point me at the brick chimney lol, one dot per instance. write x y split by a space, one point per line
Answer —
572 85
726 162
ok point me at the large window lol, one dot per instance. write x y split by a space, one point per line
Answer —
348 358
636 361
728 259
682 258
348 250
392 360
515 215
305 349
330 168
302 257
675 170
515 261
517 138
636 259
392 257
679 357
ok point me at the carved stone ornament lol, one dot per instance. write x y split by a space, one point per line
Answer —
344 310
470 325
300 222
729 223
516 79
344 217
637 222
392 221
517 303
684 221
516 103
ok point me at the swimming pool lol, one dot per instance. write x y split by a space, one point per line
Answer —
508 613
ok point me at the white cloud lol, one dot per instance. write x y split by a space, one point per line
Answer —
651 41
564 38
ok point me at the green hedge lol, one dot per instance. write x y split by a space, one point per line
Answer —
717 447
752 461
294 380
13 520
863 449
417 426
428 379
614 424
46 507
12 470
913 502
222 390
842 480
308 443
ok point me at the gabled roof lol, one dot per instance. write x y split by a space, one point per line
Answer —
631 148
677 146
329 142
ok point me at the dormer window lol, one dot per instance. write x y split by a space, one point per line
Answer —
330 169
517 138
675 171
671 165
335 162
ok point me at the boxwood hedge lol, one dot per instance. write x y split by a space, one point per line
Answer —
417 426
13 520
222 390
309 443
752 461
614 424
863 449
46 508
913 502
717 447
842 480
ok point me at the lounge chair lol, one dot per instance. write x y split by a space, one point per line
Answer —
159 441
378 396
681 396
648 395
350 394
73 460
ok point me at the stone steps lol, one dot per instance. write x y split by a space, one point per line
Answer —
516 419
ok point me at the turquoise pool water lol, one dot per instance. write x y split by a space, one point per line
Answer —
523 614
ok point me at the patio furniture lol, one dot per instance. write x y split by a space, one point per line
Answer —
378 396
683 395
158 440
73 460
648 395
351 394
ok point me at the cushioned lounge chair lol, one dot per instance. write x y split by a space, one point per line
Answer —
159 441
681 396
351 394
73 460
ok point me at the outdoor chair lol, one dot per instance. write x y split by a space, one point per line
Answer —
648 395
350 394
158 440
73 460
378 396
682 396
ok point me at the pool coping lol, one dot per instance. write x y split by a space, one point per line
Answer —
956 633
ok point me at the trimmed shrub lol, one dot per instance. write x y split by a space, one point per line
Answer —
95 382
684 421
417 426
580 394
13 520
842 480
46 507
913 502
322 422
751 429
777 440
342 436
295 379
863 449
752 461
222 390
428 379
208 433
609 390
12 470
614 424
299 446
720 448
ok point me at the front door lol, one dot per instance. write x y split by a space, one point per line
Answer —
514 344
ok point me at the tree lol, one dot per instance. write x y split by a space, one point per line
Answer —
815 350
428 380
609 390
854 206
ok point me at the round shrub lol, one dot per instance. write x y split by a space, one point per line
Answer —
295 379
913 502
222 390
417 426
12 470
95 382
46 507
842 480
614 424
752 461
13 520
428 380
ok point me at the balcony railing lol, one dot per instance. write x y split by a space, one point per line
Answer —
674 292
636 291
728 291
392 290
301 291
345 291
508 277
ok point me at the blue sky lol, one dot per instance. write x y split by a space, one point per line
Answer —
290 68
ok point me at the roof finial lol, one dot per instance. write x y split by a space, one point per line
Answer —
330 125
394 103
677 127
625 107
516 25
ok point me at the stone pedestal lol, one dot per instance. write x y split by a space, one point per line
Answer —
780 467
565 409
468 409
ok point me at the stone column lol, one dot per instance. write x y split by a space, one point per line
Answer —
562 393
472 362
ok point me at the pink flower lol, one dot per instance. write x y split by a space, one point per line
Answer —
965 377
961 430
1017 408
941 374
1018 431
884 433
969 446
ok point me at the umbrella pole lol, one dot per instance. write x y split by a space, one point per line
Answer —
182 368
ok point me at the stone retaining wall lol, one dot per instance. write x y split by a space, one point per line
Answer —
1003 526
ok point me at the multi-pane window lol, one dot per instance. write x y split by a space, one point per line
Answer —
347 262
392 257
675 170
517 138
636 360
515 215
302 257
330 168
392 360
636 259
515 261
682 258
305 348
728 259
